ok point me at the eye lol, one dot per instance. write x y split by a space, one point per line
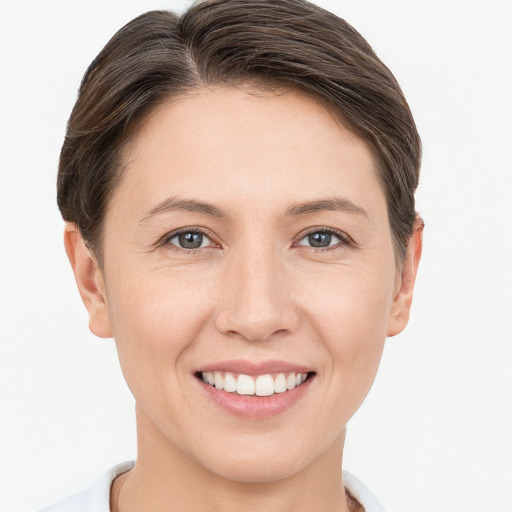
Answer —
323 238
189 239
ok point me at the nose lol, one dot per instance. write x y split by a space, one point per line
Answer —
256 302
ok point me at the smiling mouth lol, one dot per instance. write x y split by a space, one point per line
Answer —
262 385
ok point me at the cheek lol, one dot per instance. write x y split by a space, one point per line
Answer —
353 304
155 318
351 312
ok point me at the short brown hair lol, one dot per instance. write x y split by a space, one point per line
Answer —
290 43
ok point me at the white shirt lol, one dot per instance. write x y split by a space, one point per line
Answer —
97 497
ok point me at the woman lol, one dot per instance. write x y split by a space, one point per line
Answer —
238 189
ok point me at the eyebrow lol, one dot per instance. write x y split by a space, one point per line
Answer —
339 204
190 205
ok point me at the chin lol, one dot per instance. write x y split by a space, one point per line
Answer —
256 471
259 461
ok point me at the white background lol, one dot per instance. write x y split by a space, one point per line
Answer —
435 433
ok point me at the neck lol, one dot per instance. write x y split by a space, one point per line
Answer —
164 478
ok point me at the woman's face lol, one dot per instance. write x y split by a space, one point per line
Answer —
248 238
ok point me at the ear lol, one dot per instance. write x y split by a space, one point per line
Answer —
89 280
402 301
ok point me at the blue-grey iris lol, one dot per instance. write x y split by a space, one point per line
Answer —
190 240
319 239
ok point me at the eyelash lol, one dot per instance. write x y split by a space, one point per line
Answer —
345 240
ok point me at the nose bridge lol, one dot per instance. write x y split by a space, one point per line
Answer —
257 301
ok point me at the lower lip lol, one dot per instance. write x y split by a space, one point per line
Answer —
256 407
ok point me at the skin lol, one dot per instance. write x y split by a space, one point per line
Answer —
256 290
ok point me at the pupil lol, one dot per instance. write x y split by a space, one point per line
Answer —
191 240
319 239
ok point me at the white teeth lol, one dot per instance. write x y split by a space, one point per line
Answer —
229 383
291 381
301 377
219 380
245 385
280 383
263 385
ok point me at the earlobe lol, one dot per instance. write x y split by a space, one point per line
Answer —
89 280
402 301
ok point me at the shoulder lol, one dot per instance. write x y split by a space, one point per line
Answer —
94 499
361 493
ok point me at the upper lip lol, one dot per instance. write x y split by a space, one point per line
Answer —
255 368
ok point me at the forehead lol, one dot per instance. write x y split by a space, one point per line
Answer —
241 143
